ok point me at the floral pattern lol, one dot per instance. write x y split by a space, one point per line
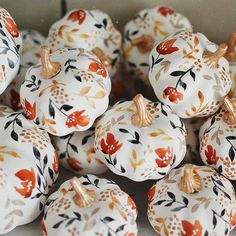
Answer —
207 212
111 146
113 212
165 157
148 27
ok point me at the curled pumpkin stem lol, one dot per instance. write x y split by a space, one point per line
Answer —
212 58
83 197
144 43
230 114
142 117
231 54
49 68
190 182
105 59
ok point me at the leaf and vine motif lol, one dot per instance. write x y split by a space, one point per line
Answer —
87 137
110 231
180 128
160 132
136 136
218 187
202 201
215 135
6 152
232 149
220 216
99 25
72 68
32 84
192 49
117 54
162 225
211 127
113 162
134 162
155 61
67 220
182 204
95 183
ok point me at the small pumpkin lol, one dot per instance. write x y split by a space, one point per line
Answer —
28 169
32 41
192 200
92 30
76 152
67 91
10 46
140 139
89 206
190 74
218 141
147 28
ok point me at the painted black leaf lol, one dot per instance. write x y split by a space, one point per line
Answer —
226 231
5 42
115 161
18 122
159 202
104 22
162 173
131 64
51 110
122 169
99 26
96 181
50 171
2 33
206 233
231 137
144 64
40 206
62 155
39 170
85 139
36 153
134 32
107 219
214 221
163 111
177 209
219 182
69 222
57 225
220 169
64 216
171 195
177 73
183 85
77 214
39 180
7 124
169 204
14 135
120 228
117 51
75 149
222 212
123 131
215 190
77 77
86 183
66 107
137 135
38 195
213 120
133 141
231 153
192 75
10 63
185 200
172 124
45 161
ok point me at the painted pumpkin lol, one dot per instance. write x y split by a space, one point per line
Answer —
192 200
140 139
92 30
218 141
76 153
89 206
190 74
32 43
147 28
28 169
66 92
10 45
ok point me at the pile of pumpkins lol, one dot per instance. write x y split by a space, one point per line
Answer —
55 110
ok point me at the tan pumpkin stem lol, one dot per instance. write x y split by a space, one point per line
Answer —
105 59
230 114
190 182
231 54
49 68
83 197
144 43
212 58
142 117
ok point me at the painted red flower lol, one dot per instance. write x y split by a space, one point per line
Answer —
43 228
210 154
55 164
111 145
78 15
190 229
166 47
74 164
11 27
30 110
28 182
131 203
164 11
77 119
151 193
232 218
165 156
172 94
98 68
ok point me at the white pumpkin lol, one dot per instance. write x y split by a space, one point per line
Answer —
89 206
140 139
192 200
67 91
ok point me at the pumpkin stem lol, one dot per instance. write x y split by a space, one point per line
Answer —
144 43
83 197
231 54
105 59
49 68
190 182
212 58
230 114
141 118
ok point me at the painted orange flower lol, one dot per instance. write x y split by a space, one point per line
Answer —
210 154
172 94
98 68
74 164
15 100
166 47
165 156
131 203
232 218
28 182
55 164
43 228
30 110
78 15
111 145
11 27
164 11
151 193
190 229
77 119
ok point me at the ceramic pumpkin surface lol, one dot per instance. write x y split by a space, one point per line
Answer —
76 152
32 42
66 92
192 200
89 29
140 139
218 142
89 206
10 44
190 74
147 28
28 169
